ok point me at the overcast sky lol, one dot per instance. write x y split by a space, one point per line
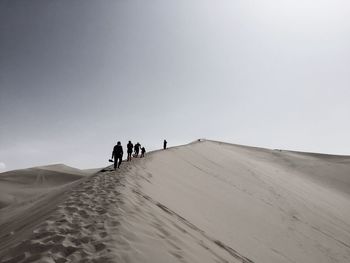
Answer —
76 76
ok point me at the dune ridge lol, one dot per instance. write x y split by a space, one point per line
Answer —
203 202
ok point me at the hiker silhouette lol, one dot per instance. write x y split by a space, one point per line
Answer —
130 147
117 154
143 151
137 149
164 144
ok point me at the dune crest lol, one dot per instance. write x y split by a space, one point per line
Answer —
203 202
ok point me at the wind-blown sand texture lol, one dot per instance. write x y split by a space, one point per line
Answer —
203 202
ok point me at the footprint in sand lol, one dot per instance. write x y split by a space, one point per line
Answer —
76 232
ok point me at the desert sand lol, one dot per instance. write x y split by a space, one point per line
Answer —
202 202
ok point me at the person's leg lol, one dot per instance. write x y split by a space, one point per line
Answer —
120 161
115 163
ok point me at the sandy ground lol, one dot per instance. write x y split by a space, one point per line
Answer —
203 202
27 196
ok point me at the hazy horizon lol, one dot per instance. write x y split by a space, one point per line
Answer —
76 77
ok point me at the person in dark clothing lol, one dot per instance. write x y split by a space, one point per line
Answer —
137 149
143 151
164 144
117 154
130 146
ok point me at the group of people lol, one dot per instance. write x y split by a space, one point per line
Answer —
136 150
117 154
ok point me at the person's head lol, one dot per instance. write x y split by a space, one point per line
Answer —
118 143
129 141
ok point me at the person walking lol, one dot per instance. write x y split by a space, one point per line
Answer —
130 146
137 149
164 144
117 155
143 151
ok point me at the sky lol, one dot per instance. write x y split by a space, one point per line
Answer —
77 76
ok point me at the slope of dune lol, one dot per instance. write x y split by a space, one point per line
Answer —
26 192
62 168
49 175
272 206
22 185
203 202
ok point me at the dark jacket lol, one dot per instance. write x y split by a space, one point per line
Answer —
117 151
130 147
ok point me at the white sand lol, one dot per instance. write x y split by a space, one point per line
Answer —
204 202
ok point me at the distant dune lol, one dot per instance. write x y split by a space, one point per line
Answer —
203 202
19 185
44 176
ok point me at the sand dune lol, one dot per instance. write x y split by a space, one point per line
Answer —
23 185
203 202
28 195
50 175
